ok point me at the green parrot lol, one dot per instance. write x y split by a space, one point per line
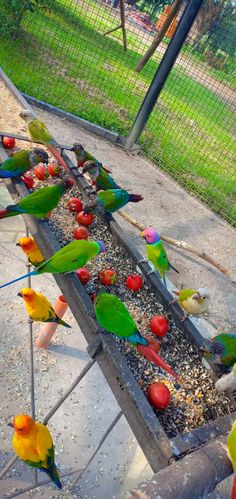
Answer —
156 252
113 316
82 156
21 161
39 202
71 257
231 450
38 132
221 349
99 176
113 199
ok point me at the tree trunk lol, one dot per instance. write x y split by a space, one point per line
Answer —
208 15
157 39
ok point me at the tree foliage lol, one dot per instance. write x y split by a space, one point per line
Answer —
12 13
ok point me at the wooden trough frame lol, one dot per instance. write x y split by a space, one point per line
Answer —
159 450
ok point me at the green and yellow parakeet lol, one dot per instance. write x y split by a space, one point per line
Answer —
231 448
99 176
82 156
21 161
114 317
193 301
156 252
113 200
38 132
71 257
39 202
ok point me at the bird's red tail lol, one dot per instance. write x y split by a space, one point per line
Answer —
135 198
58 157
152 356
4 214
233 493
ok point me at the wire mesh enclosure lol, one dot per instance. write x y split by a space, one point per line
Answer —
59 52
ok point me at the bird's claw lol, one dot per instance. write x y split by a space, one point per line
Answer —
184 317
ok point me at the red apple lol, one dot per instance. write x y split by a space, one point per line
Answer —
41 172
8 142
54 169
134 282
153 344
159 395
84 218
80 233
83 275
75 205
159 325
108 277
28 180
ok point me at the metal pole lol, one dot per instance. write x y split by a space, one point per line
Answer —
163 71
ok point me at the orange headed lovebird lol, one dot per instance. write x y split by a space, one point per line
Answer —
33 443
31 249
38 132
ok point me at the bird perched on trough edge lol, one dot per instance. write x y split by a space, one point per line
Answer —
112 200
193 301
71 257
33 443
38 132
231 450
221 349
39 308
227 382
82 156
39 203
21 162
31 249
114 317
99 176
156 252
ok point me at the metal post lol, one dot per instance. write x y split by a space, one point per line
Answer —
163 71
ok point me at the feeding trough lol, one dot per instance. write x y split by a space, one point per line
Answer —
159 447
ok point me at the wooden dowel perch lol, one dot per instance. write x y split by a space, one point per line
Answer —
182 245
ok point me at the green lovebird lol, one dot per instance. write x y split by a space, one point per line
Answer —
71 257
231 450
39 202
38 132
82 156
21 161
113 316
99 176
113 200
156 252
221 349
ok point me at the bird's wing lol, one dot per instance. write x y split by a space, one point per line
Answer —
184 294
39 132
113 316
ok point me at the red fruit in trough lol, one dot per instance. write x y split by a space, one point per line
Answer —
28 180
41 172
81 233
75 205
84 218
54 169
83 275
153 344
108 277
134 282
159 325
8 142
159 395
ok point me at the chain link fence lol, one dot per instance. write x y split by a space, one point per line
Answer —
60 53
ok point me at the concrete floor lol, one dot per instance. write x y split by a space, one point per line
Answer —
81 421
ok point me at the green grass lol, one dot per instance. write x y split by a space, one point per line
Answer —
63 58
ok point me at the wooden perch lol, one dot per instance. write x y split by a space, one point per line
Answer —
121 25
160 35
182 245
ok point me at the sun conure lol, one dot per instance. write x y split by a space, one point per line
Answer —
31 249
39 203
113 200
113 316
99 176
38 132
156 252
39 308
32 442
71 257
21 161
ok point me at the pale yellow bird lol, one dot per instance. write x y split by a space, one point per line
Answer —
193 301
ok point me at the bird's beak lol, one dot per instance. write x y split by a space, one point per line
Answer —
196 296
10 424
72 148
85 169
19 294
17 244
142 234
202 350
